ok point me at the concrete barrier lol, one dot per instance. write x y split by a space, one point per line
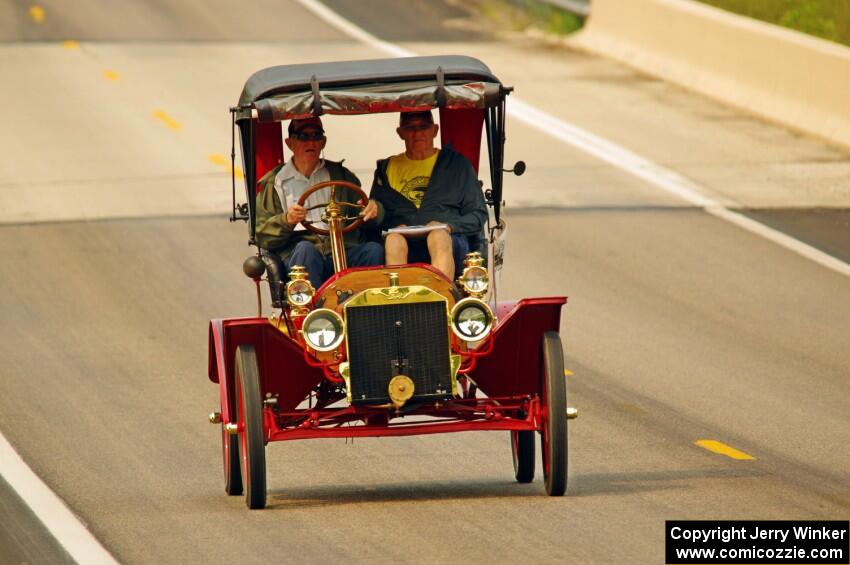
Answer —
782 75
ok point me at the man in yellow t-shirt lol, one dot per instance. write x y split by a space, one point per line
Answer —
427 186
410 177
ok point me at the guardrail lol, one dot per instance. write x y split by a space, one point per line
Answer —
578 7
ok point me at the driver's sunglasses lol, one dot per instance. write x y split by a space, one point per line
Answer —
311 136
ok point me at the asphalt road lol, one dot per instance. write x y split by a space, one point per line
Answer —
679 326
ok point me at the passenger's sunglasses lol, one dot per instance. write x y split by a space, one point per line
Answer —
312 136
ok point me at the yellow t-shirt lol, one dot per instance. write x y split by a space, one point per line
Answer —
411 177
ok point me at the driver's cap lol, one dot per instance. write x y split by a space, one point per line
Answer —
313 123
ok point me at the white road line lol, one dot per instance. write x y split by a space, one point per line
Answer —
354 31
611 153
781 238
71 534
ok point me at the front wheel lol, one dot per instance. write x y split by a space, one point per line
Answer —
249 406
554 437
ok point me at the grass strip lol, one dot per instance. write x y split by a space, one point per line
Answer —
520 15
827 19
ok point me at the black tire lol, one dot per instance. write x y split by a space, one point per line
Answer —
522 449
230 458
554 437
249 407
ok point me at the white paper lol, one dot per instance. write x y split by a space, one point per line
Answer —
416 231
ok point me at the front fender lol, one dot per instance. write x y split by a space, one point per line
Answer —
513 366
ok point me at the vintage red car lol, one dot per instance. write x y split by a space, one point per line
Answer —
385 351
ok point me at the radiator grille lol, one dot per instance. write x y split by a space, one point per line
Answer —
412 335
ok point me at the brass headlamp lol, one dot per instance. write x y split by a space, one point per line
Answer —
299 291
474 278
472 319
323 330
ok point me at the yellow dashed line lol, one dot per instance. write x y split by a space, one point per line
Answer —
718 447
110 75
567 372
37 14
166 119
70 44
222 161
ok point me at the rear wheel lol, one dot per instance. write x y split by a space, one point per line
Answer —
522 448
554 437
249 406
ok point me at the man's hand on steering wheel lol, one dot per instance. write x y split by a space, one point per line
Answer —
296 214
370 212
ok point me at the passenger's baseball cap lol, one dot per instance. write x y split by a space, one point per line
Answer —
313 123
407 117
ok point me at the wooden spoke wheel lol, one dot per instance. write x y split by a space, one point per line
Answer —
363 199
249 407
554 433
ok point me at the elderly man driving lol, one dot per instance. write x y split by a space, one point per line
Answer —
279 216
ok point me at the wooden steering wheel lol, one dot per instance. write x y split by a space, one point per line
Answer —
332 206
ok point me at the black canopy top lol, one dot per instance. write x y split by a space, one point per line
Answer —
290 78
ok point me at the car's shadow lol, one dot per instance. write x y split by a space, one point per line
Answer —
337 495
581 485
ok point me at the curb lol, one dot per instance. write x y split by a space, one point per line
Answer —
779 74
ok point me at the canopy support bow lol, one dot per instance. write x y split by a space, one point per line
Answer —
441 88
317 97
